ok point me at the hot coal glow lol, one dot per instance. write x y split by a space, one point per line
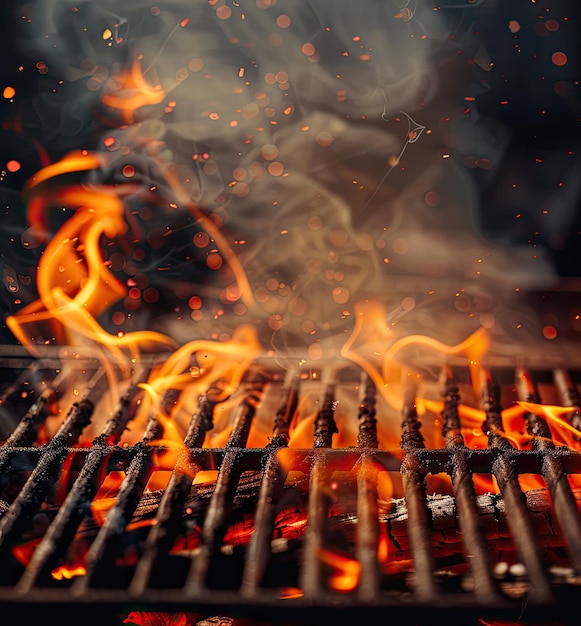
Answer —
267 342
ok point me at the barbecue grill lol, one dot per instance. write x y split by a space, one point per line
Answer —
282 534
283 166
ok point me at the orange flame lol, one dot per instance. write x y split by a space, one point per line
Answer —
131 91
473 347
74 284
346 570
371 346
563 433
383 546
225 361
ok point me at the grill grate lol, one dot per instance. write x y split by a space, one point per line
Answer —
246 580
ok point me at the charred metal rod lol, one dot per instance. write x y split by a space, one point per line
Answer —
569 396
45 473
311 577
168 518
320 497
469 521
103 550
553 471
367 532
419 520
271 488
77 504
222 501
325 426
367 435
26 431
505 471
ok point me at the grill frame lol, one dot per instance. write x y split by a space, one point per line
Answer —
428 603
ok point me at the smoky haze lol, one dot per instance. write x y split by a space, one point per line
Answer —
338 146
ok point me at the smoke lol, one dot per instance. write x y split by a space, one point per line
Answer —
328 142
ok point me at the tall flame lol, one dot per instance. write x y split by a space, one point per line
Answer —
74 284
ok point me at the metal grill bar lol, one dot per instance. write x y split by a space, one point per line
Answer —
425 588
26 431
367 515
101 555
319 500
167 520
569 396
45 473
270 466
224 492
270 492
486 589
76 506
553 471
506 474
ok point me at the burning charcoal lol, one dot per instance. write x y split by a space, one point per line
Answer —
156 618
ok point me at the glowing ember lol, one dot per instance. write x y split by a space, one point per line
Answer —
67 573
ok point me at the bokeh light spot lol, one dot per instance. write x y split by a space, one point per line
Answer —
275 168
283 21
195 65
315 352
214 261
223 12
195 303
559 58
408 303
549 332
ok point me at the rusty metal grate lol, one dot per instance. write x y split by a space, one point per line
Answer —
128 568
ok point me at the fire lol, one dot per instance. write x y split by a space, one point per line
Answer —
345 570
373 347
75 288
383 546
74 284
563 433
130 91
